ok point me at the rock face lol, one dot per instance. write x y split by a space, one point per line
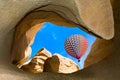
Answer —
99 50
27 27
26 31
43 60
60 64
16 9
86 15
36 65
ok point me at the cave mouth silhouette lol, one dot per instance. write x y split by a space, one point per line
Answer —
98 71
33 23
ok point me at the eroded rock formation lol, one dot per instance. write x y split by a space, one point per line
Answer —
36 65
60 64
26 31
44 61
13 10
99 50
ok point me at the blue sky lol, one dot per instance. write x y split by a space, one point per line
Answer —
52 37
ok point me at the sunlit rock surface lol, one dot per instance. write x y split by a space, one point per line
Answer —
36 65
60 64
25 32
100 49
15 10
43 60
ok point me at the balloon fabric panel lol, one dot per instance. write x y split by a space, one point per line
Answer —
76 45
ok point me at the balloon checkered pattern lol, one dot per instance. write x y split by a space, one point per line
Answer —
76 45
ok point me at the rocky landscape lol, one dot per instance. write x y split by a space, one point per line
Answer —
36 65
26 30
59 64
95 15
43 61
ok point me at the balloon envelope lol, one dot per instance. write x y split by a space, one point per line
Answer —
76 45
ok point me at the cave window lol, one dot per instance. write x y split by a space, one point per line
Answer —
52 37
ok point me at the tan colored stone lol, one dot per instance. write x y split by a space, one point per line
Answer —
91 14
27 28
77 11
26 31
99 50
13 10
97 13
36 65
60 64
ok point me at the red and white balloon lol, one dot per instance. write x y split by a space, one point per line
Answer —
76 45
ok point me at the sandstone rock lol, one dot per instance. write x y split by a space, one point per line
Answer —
78 11
93 19
36 65
89 14
27 28
60 64
16 9
99 50
26 31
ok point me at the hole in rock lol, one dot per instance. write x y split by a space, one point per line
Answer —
52 37
43 43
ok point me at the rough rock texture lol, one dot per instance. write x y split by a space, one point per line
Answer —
27 28
94 16
25 32
78 11
107 69
22 41
91 14
60 64
36 65
100 49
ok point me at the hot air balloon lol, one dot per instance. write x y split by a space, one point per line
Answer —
76 45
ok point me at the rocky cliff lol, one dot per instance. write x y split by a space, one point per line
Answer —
44 61
100 49
36 65
25 32
60 64
12 11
